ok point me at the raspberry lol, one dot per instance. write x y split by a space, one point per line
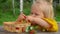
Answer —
17 28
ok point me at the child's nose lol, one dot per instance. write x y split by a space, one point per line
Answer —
34 15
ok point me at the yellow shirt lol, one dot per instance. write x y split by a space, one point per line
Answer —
54 27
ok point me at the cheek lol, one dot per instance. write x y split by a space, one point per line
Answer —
38 16
33 15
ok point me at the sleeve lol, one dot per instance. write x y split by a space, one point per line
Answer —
54 27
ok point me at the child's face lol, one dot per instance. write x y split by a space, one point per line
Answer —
36 14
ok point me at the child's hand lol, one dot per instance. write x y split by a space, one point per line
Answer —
22 16
29 18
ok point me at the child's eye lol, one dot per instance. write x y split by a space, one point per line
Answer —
36 14
31 13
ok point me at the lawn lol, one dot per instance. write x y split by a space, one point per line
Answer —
8 16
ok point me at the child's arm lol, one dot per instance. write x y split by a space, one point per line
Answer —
39 21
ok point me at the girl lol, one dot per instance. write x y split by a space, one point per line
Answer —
41 14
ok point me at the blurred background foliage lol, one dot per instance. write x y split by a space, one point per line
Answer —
6 9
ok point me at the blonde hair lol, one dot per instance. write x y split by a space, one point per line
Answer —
45 6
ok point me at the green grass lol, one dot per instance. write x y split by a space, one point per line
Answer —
57 13
57 18
5 17
8 15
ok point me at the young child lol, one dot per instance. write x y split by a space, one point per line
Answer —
41 14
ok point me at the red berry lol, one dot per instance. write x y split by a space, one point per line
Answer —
28 20
32 31
25 17
23 29
20 21
17 28
11 28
